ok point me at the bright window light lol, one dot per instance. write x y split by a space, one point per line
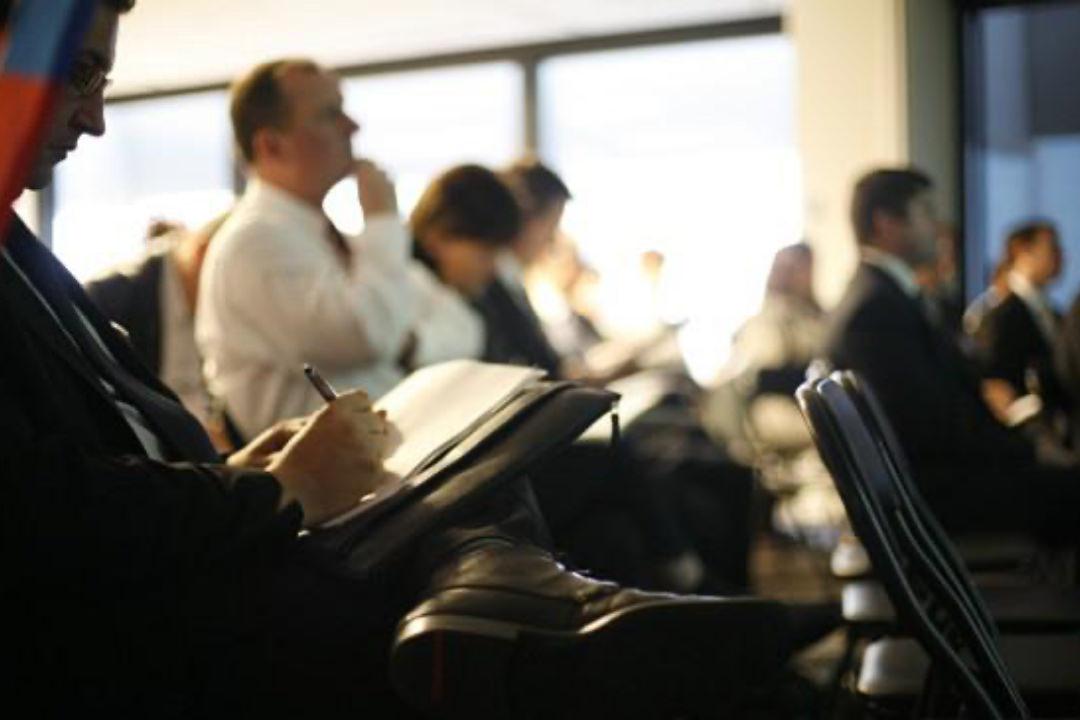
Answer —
167 158
688 150
418 123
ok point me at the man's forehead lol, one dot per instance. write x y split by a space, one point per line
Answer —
314 84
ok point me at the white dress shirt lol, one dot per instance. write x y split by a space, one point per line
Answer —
275 294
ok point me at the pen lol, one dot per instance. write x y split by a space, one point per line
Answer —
320 383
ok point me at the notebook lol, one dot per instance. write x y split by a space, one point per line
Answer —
433 410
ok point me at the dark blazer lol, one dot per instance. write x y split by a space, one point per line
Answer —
514 332
131 296
928 388
1067 359
1012 344
106 551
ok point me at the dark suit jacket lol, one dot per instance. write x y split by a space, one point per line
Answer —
131 296
1012 344
1067 357
515 334
926 385
104 550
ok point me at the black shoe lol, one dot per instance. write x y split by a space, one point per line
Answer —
507 631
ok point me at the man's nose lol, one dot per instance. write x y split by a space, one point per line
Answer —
90 117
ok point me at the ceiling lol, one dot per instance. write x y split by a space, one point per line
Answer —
176 43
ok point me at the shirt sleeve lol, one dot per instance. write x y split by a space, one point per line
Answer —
297 288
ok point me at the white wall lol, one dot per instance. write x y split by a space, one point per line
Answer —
852 113
877 86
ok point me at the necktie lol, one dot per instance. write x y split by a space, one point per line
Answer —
167 417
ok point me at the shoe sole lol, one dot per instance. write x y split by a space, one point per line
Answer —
651 660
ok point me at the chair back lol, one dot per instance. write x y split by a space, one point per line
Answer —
929 601
932 535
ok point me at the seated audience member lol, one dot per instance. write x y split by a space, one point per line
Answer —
774 347
515 333
1067 362
281 286
564 287
153 300
997 291
940 282
462 221
975 472
1017 336
146 579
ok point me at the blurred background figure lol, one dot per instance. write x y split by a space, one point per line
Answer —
1067 363
772 350
1017 335
515 333
940 282
154 300
751 411
464 220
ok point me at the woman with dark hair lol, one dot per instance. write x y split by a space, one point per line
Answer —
464 218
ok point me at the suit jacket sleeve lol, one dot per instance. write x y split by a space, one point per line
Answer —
113 521
939 421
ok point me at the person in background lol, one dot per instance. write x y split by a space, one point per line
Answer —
774 347
154 299
462 222
996 291
1067 363
515 333
940 282
146 578
976 474
282 287
1018 334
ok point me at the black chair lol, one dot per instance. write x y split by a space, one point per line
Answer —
932 592
1013 608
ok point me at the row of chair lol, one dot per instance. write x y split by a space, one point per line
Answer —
940 648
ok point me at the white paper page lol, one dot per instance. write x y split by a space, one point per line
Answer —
437 403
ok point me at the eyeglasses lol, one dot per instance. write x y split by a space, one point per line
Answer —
88 78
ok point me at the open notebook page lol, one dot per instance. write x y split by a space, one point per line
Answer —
435 407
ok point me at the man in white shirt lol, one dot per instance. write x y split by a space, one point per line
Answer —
282 287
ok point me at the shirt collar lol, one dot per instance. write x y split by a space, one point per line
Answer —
263 196
1026 290
895 268
510 270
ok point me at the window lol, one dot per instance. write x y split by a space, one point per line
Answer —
1022 157
167 158
688 150
419 123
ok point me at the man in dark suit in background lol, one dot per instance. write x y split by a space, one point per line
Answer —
1017 337
146 578
975 472
153 299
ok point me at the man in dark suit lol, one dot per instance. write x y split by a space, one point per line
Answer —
153 299
1017 336
974 471
145 577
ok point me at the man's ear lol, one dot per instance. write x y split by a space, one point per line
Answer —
267 143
